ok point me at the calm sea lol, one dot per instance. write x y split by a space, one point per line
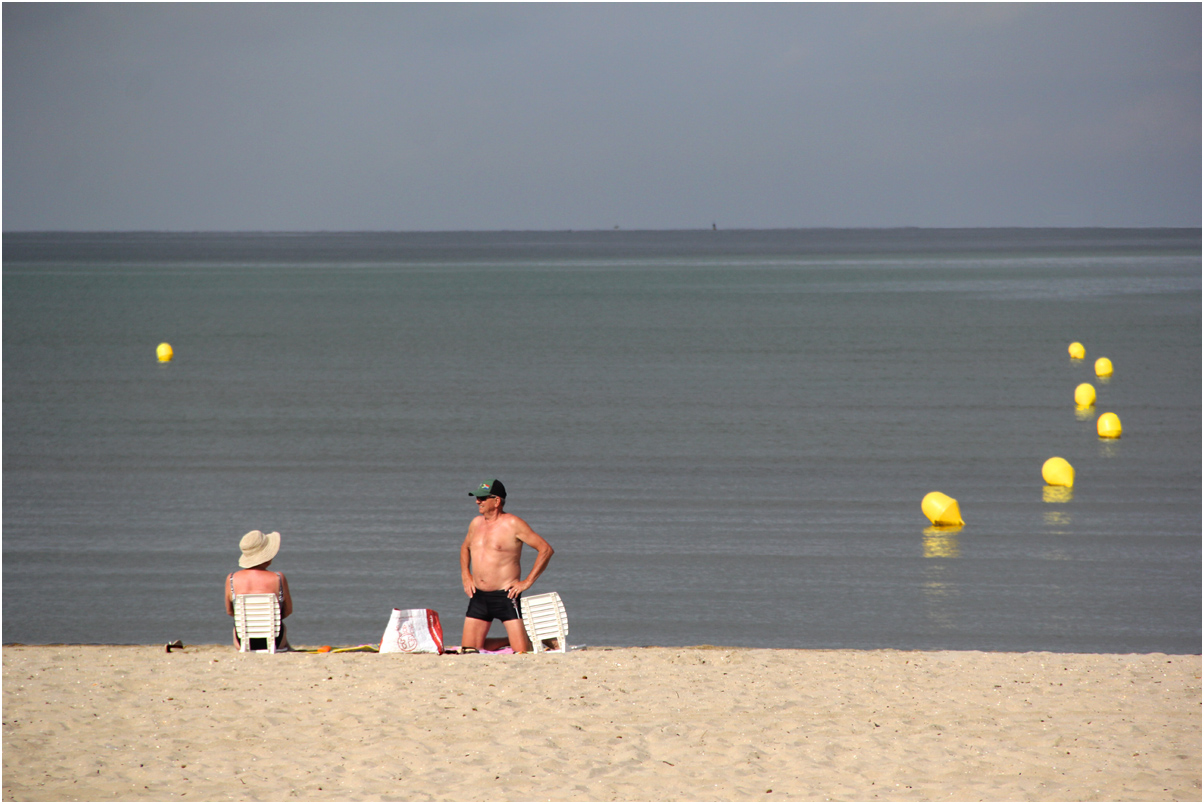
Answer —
726 436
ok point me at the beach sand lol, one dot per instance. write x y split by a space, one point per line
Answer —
646 724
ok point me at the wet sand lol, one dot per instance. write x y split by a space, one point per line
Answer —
630 724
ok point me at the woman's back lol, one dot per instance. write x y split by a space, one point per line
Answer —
258 580
252 581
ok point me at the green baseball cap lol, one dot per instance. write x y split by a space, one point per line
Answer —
490 488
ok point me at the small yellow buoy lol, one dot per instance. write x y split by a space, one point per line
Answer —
1077 351
1103 367
1058 472
1084 395
164 352
1108 426
941 509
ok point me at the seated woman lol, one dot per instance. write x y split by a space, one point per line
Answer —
258 550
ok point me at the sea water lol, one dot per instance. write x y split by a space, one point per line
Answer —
725 436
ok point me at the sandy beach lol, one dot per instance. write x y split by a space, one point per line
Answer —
648 724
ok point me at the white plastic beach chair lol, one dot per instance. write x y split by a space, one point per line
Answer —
257 616
546 622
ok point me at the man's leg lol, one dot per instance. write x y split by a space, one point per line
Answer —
518 636
474 633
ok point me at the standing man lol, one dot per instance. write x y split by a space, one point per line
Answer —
489 568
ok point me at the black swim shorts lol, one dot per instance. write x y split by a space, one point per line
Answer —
490 606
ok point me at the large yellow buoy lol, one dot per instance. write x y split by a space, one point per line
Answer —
1077 351
1058 472
941 509
1103 367
1084 395
1108 426
164 352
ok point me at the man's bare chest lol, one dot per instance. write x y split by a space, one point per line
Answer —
501 541
498 536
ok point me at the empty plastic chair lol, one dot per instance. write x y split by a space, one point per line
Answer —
546 622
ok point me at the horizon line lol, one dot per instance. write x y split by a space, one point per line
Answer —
612 230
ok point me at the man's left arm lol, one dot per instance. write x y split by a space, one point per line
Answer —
544 550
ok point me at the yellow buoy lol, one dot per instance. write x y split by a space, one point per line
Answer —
1084 395
1108 426
941 509
1058 472
1103 367
164 352
1077 351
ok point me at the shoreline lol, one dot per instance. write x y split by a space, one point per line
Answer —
704 646
133 722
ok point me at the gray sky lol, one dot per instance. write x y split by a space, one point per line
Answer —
547 116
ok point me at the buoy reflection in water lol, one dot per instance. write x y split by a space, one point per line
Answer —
942 542
1057 494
